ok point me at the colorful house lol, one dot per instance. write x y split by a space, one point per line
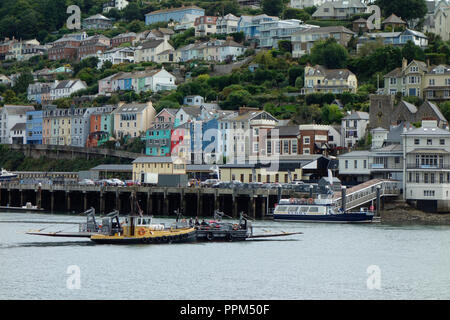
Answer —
101 126
34 127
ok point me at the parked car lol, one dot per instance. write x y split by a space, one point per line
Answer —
118 182
209 182
129 183
86 182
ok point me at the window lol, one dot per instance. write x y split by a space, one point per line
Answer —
346 164
442 142
365 164
356 164
416 141
429 142
306 140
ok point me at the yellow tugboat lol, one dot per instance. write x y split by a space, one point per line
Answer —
138 229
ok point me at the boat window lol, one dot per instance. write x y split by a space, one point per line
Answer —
282 208
292 209
304 209
313 209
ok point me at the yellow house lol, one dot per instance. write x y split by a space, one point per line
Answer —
258 173
321 79
157 165
133 119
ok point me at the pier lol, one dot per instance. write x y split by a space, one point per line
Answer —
159 201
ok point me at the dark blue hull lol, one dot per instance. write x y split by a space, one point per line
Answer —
342 218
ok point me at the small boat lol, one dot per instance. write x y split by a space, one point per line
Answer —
140 230
217 230
6 175
128 230
26 208
317 210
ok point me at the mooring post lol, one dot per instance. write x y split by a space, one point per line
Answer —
52 200
149 203
21 197
311 191
39 196
344 198
378 200
199 204
235 205
102 202
117 200
216 200
253 202
68 200
84 200
166 202
9 197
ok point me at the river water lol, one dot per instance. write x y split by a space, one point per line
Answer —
327 261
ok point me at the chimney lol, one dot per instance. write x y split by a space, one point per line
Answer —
404 64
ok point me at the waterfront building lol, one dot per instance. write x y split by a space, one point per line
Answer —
160 34
133 119
173 14
353 128
10 116
157 165
56 126
426 167
18 133
34 127
91 46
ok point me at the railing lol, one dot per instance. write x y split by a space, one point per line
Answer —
427 166
359 197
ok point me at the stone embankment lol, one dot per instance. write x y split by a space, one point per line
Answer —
401 212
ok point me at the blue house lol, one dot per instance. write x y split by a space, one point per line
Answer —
250 25
174 14
34 127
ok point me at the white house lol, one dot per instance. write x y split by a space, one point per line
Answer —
301 4
354 128
426 167
116 56
227 24
160 80
64 88
114 4
10 116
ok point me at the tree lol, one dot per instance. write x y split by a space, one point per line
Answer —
132 12
22 83
331 114
412 52
406 9
330 54
272 7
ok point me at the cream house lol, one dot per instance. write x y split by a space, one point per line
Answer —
133 119
150 50
321 79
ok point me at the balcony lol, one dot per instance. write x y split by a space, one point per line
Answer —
428 166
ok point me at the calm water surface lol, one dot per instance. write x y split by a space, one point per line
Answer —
328 261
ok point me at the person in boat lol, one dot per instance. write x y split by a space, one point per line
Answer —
196 221
204 223
191 222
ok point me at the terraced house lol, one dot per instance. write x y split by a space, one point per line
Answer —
101 126
420 80
133 119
